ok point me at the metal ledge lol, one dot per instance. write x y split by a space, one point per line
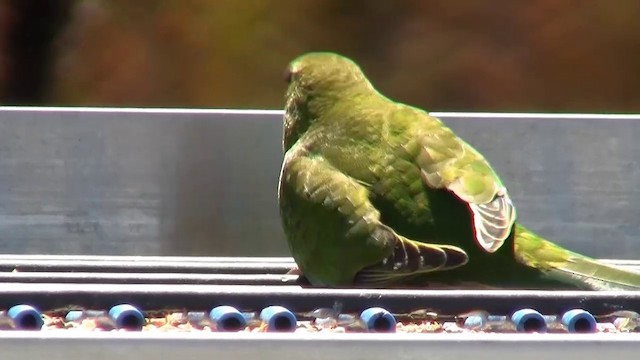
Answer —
142 278
252 298
71 345
168 266
250 284
173 264
247 346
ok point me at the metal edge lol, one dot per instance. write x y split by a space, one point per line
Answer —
46 296
97 260
151 110
311 346
126 277
145 258
18 267
9 265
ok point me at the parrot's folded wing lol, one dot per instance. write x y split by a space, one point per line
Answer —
493 221
446 161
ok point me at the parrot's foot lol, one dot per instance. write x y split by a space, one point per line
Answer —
295 271
302 280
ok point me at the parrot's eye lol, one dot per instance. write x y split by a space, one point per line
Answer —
288 75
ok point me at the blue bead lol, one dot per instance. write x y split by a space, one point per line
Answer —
74 315
25 317
278 318
378 320
126 316
475 322
579 321
227 318
528 320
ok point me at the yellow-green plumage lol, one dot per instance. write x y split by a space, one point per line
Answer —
378 193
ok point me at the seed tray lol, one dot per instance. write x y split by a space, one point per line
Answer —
165 289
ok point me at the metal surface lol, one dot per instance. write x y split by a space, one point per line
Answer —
167 270
149 296
150 345
202 182
53 282
138 278
179 266
249 346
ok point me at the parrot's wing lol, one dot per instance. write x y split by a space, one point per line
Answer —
337 233
446 161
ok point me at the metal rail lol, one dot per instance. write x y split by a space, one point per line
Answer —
82 265
173 264
251 298
250 284
241 346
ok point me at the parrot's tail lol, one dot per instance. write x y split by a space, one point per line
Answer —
568 267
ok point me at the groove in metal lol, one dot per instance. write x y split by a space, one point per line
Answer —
46 296
147 278
145 266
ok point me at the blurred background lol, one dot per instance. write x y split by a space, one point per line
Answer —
534 56
203 184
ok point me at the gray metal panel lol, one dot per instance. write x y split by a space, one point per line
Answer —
69 344
139 182
203 182
575 179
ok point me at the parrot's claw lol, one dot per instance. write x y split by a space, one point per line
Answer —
302 280
295 271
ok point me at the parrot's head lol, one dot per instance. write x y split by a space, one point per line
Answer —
317 81
324 73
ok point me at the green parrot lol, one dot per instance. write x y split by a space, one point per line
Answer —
375 193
